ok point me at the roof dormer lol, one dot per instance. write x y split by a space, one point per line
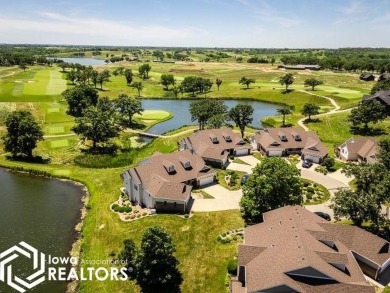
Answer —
296 136
214 138
169 167
282 136
227 137
185 163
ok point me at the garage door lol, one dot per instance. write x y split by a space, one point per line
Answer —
274 153
241 152
205 181
313 158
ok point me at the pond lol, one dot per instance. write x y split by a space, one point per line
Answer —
182 116
83 60
41 212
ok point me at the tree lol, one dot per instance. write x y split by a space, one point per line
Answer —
63 66
246 81
313 82
23 134
218 82
80 98
167 79
272 61
144 70
23 66
175 90
94 77
310 109
381 85
241 115
127 107
217 121
159 55
286 110
367 111
274 184
384 152
129 255
71 76
97 125
138 86
364 203
128 75
287 80
157 267
203 110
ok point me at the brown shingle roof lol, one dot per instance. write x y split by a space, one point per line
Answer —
297 138
366 147
160 183
292 241
201 142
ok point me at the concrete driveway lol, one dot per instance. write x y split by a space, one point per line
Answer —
224 199
249 159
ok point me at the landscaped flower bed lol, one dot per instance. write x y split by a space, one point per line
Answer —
229 236
128 211
314 193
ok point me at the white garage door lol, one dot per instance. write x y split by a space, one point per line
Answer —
274 153
241 152
313 158
205 181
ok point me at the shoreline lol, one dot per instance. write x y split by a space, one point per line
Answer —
75 249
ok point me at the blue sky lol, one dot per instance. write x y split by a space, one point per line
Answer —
202 23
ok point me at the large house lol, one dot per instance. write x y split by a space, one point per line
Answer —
294 250
215 145
164 181
277 142
382 96
360 149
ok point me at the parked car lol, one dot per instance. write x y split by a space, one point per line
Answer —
323 215
244 178
307 163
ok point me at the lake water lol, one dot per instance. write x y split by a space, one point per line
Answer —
41 212
182 116
83 61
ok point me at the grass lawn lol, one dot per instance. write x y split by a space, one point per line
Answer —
334 129
202 258
239 161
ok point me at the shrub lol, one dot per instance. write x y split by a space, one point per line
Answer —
186 216
235 237
121 209
112 253
223 234
128 209
232 267
219 238
310 189
228 239
144 214
309 195
328 163
132 216
136 211
321 169
306 184
138 216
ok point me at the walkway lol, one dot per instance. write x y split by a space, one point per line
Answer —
159 135
333 111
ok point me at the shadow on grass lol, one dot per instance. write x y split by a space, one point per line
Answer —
312 120
34 159
369 131
287 125
287 91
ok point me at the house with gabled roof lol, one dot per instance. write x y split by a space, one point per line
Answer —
278 142
294 250
367 77
215 145
382 96
359 149
164 181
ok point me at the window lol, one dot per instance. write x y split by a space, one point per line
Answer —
135 186
174 204
165 203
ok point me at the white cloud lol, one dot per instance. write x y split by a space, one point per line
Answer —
85 30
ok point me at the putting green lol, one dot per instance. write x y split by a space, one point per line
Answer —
153 115
55 129
59 143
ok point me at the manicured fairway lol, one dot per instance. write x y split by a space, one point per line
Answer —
55 129
47 81
59 143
